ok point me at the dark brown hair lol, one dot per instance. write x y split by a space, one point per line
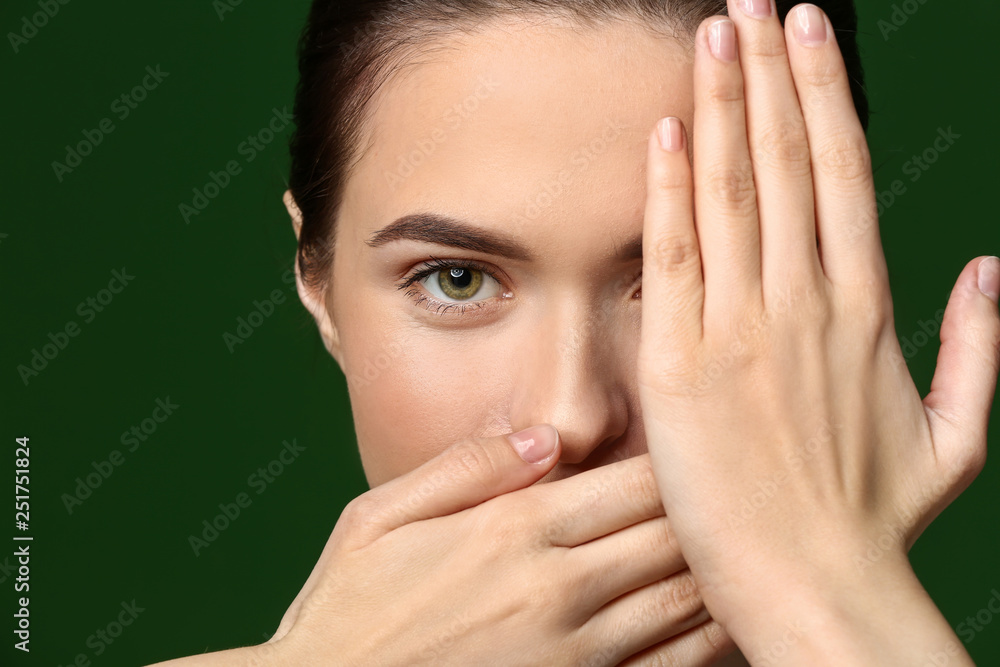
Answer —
350 47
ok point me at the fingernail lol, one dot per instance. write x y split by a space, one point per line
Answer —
671 134
989 277
756 8
722 40
535 444
810 26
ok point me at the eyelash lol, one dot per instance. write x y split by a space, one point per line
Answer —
433 266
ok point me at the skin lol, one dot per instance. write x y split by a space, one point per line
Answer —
457 550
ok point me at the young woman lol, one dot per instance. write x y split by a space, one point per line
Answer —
652 227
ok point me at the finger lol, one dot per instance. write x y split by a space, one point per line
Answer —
648 616
597 502
725 200
779 149
961 396
673 291
623 561
463 476
701 645
846 211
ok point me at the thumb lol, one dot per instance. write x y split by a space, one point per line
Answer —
464 475
958 405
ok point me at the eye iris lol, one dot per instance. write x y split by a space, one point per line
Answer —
459 283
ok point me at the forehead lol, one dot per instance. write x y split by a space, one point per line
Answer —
521 121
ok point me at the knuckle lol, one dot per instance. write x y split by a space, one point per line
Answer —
825 76
726 91
547 597
668 538
500 526
673 253
662 657
767 51
716 637
803 308
679 598
355 517
470 460
356 511
785 143
845 158
637 484
645 487
733 188
798 297
813 309
672 182
868 306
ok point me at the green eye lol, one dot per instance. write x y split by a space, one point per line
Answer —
455 281
460 282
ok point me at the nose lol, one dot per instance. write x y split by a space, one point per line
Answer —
573 375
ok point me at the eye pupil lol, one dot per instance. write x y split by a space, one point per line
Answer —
460 278
460 283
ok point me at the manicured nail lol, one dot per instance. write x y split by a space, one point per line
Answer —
757 8
535 444
810 25
671 133
722 40
989 277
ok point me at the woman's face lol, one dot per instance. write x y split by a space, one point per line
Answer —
531 140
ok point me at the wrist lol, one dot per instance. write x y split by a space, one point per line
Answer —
841 615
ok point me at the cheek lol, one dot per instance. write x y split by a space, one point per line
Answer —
414 392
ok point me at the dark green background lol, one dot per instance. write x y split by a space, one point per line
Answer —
162 336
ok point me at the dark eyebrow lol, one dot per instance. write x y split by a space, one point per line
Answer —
445 230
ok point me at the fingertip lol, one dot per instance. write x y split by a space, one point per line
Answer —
536 444
965 378
670 131
988 277
810 25
669 158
